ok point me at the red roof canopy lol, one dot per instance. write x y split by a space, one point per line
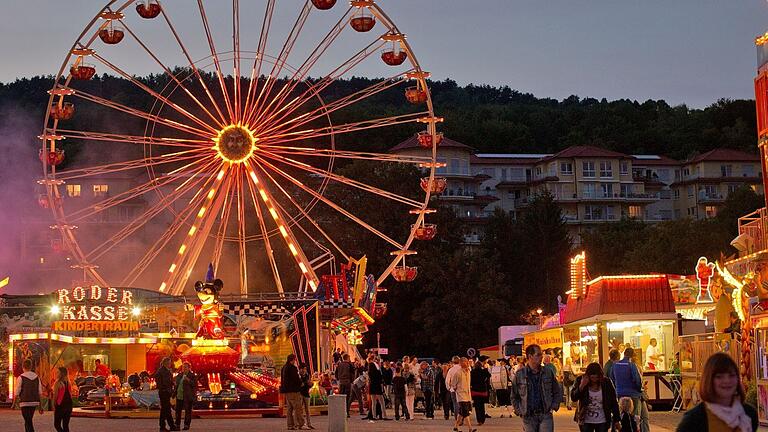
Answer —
622 295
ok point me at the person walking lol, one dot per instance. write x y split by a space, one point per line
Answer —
427 376
629 420
411 378
398 393
627 379
449 379
164 382
502 383
479 377
28 389
461 381
536 393
613 357
722 407
62 401
440 389
290 388
306 384
569 378
376 390
345 374
598 408
387 373
186 395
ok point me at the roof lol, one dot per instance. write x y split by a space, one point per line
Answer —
587 152
413 142
644 160
724 155
622 295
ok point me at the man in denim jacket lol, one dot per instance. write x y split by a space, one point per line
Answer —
536 393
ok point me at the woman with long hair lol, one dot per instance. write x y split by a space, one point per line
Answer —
479 377
598 408
723 407
62 401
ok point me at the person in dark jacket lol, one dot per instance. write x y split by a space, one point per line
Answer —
598 407
387 373
186 395
345 373
723 406
306 384
478 384
375 389
290 388
164 382
62 401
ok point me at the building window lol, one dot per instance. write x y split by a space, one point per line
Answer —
624 168
607 190
538 171
552 169
566 168
677 213
635 212
710 191
711 211
588 191
588 169
686 172
441 169
626 190
73 190
690 191
748 170
454 167
726 170
677 193
605 169
609 213
100 190
733 187
503 174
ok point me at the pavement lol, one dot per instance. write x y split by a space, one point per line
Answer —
11 421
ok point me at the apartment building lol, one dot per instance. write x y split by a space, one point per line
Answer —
703 183
592 185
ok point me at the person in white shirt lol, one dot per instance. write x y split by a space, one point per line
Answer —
27 391
653 357
450 383
462 381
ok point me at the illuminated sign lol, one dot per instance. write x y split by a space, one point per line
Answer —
95 325
552 338
579 275
704 272
95 303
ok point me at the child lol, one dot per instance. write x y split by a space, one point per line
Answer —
398 387
629 421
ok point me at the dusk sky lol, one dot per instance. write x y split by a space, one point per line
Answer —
684 51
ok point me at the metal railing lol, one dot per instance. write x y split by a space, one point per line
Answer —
755 225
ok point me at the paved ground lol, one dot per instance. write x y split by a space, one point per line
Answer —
11 421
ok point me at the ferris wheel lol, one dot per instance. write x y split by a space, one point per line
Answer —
239 143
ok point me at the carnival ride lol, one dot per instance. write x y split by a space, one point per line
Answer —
238 150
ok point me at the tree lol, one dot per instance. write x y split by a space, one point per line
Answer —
739 203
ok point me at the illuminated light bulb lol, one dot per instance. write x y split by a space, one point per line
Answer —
283 231
220 175
253 177
302 267
201 212
263 195
173 267
273 213
292 248
55 309
162 286
313 285
136 311
192 230
182 249
210 194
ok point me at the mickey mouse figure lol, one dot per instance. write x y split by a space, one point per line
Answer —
209 309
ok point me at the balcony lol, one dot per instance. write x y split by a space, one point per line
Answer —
710 198
755 225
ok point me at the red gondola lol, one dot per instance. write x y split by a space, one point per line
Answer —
324 4
111 36
415 95
42 200
64 112
426 139
363 23
52 158
438 185
425 232
148 10
392 58
405 273
82 72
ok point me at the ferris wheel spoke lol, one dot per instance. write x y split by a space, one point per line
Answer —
155 94
236 59
285 229
267 242
148 186
315 89
78 173
172 76
301 73
163 240
133 139
282 58
138 113
183 263
258 60
242 234
221 231
346 154
305 215
266 164
194 68
333 106
150 213
345 180
307 134
216 62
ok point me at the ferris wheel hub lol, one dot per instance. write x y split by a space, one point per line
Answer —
235 143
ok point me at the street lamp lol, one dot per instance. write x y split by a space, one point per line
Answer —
539 311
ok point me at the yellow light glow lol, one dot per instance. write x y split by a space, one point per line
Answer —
173 267
263 195
210 194
5 281
136 311
283 231
162 286
234 144
55 310
293 249
201 212
273 213
182 249
761 40
192 230
302 267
